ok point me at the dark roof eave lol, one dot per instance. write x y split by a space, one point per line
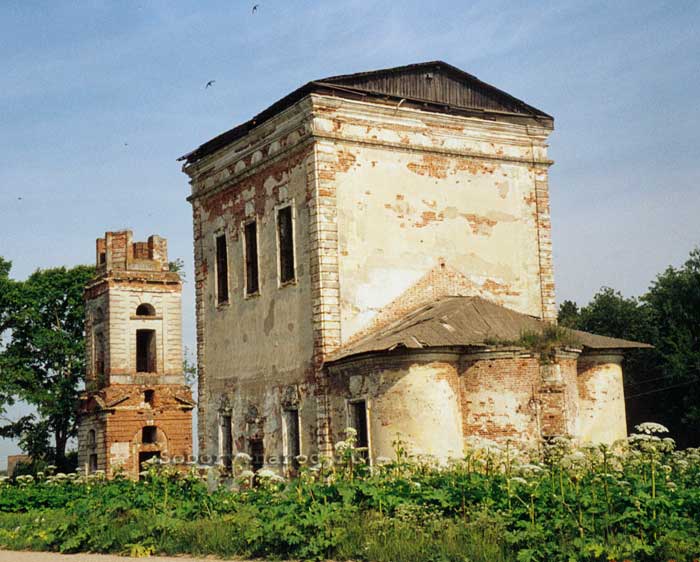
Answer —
341 359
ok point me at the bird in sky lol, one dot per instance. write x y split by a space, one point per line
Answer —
255 7
210 84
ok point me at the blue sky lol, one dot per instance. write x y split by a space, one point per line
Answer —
98 99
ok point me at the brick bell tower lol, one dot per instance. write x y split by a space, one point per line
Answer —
136 405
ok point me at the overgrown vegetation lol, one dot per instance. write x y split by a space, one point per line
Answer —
638 500
543 343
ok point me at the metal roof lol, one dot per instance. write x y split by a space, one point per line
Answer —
430 86
465 322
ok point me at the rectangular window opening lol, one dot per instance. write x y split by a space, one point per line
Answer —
252 284
358 421
285 238
99 355
146 351
291 421
149 397
226 443
221 269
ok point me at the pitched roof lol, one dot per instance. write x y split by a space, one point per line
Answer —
465 322
431 86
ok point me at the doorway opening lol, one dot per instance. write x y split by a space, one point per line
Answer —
145 457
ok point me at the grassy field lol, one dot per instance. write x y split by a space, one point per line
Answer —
638 500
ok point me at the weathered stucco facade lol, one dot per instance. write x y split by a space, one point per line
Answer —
136 404
404 186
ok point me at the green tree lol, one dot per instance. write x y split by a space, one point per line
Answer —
612 314
568 315
42 356
674 303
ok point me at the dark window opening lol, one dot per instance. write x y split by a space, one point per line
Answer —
226 442
92 439
285 237
252 284
146 351
293 437
149 397
221 269
99 354
145 309
92 462
358 420
257 454
149 434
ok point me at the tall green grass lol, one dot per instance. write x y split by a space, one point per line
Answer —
638 500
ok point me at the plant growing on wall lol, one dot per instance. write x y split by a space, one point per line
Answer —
546 342
543 343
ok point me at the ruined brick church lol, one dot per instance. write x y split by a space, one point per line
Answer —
369 251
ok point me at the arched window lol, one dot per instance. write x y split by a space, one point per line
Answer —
145 309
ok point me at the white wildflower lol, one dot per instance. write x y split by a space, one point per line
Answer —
651 427
341 446
350 432
243 457
533 468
